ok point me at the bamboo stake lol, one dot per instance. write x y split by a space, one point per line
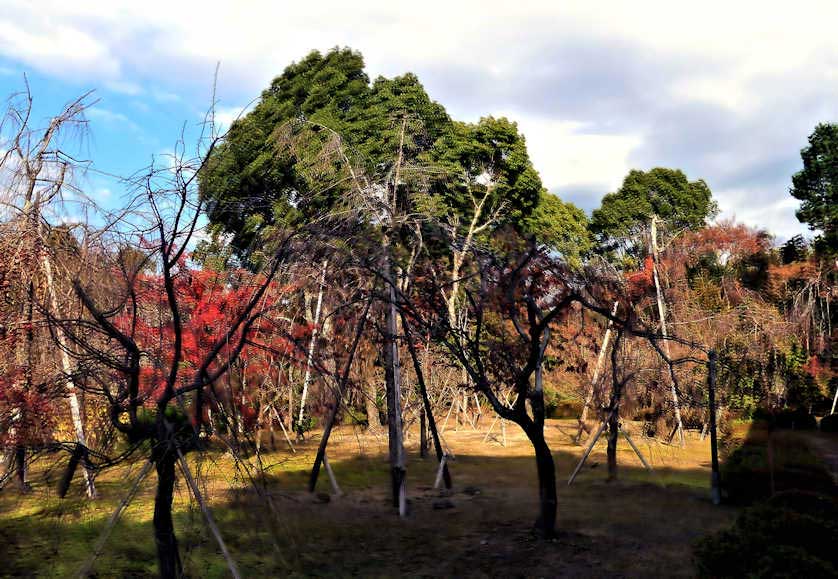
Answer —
103 537
587 453
662 315
600 361
207 514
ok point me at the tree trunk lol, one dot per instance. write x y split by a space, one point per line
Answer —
20 468
70 385
613 434
548 501
168 556
394 406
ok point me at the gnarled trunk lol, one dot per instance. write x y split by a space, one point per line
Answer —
168 556
19 462
548 500
613 434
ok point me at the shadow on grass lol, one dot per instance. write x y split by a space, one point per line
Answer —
642 525
769 460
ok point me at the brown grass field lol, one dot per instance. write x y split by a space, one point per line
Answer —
644 524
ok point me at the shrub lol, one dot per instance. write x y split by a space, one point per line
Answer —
792 535
745 474
796 419
558 406
829 423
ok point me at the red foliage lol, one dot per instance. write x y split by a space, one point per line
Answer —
638 283
208 302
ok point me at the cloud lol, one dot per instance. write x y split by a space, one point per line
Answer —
124 87
570 157
224 116
106 116
725 90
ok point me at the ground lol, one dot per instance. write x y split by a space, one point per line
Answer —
644 524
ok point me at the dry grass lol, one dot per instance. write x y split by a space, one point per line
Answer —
645 524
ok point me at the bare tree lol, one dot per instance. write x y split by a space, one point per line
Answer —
37 173
105 339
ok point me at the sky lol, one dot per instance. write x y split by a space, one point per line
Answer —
726 91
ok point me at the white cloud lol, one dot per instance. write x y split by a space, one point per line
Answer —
57 49
566 155
124 87
777 218
760 64
225 116
99 114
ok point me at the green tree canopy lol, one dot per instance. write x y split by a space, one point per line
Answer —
561 226
667 193
816 185
487 157
251 182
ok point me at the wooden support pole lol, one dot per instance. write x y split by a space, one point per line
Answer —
331 473
450 408
634 448
207 515
423 434
600 361
311 344
439 472
587 453
715 480
284 430
106 532
662 315
339 392
426 401
491 427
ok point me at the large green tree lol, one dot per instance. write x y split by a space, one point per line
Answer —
816 185
253 180
666 193
488 159
562 227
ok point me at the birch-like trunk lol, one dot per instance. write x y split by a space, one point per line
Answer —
662 316
70 387
311 344
600 361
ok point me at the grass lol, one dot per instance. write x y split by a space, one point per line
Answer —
644 524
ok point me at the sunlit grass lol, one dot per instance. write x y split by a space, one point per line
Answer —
295 534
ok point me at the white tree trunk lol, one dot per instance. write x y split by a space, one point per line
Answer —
311 344
662 316
66 367
600 362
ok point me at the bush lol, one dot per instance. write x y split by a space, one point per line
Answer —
829 423
558 406
745 474
792 535
796 419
